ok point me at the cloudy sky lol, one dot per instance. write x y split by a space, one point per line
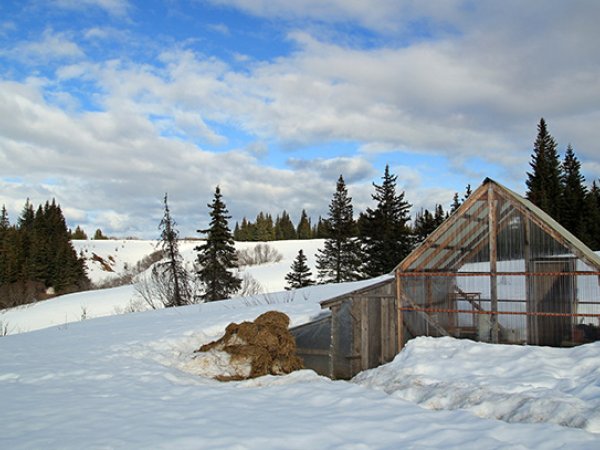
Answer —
106 105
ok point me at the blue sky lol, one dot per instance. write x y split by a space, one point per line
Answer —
108 104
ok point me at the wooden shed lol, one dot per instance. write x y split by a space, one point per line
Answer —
357 332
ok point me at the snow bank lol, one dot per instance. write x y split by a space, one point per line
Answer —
117 382
510 383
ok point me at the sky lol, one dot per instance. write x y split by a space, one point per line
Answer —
106 105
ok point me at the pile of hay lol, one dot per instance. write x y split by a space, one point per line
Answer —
252 349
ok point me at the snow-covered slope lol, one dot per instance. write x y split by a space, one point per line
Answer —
120 382
109 259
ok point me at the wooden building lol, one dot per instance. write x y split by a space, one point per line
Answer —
497 270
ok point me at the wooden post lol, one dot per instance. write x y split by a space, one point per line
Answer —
493 235
399 317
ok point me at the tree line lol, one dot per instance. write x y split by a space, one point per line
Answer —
559 188
37 258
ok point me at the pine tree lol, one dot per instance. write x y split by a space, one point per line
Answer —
300 276
263 228
217 256
591 217
4 244
544 181
284 228
340 259
455 203
79 234
172 271
424 224
574 196
98 236
386 237
304 230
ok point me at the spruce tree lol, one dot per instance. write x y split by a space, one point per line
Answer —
386 236
172 271
217 256
340 259
591 217
574 196
544 181
284 228
300 275
423 226
304 230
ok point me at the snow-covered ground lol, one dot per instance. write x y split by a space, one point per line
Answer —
109 259
121 382
128 382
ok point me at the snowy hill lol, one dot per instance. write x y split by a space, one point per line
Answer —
110 259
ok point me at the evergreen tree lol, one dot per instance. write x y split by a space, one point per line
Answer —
468 192
320 230
455 203
544 181
4 244
79 234
574 196
98 236
340 259
304 230
284 228
300 276
172 271
217 256
386 237
591 217
263 228
424 225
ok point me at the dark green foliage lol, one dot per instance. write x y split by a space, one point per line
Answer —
591 218
217 256
79 234
341 258
385 235
319 230
425 223
544 181
263 228
300 276
172 271
574 195
284 228
37 254
304 230
98 236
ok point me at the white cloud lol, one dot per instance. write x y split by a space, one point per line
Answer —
52 46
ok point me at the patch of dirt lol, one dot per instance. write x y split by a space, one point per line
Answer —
105 265
265 345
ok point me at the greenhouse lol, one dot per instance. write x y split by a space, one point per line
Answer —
500 270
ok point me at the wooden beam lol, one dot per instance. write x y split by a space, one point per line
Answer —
493 247
439 231
430 320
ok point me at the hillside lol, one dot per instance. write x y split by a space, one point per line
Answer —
110 259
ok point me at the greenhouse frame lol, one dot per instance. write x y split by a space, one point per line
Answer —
500 270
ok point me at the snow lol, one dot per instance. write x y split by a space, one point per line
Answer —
505 382
130 381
